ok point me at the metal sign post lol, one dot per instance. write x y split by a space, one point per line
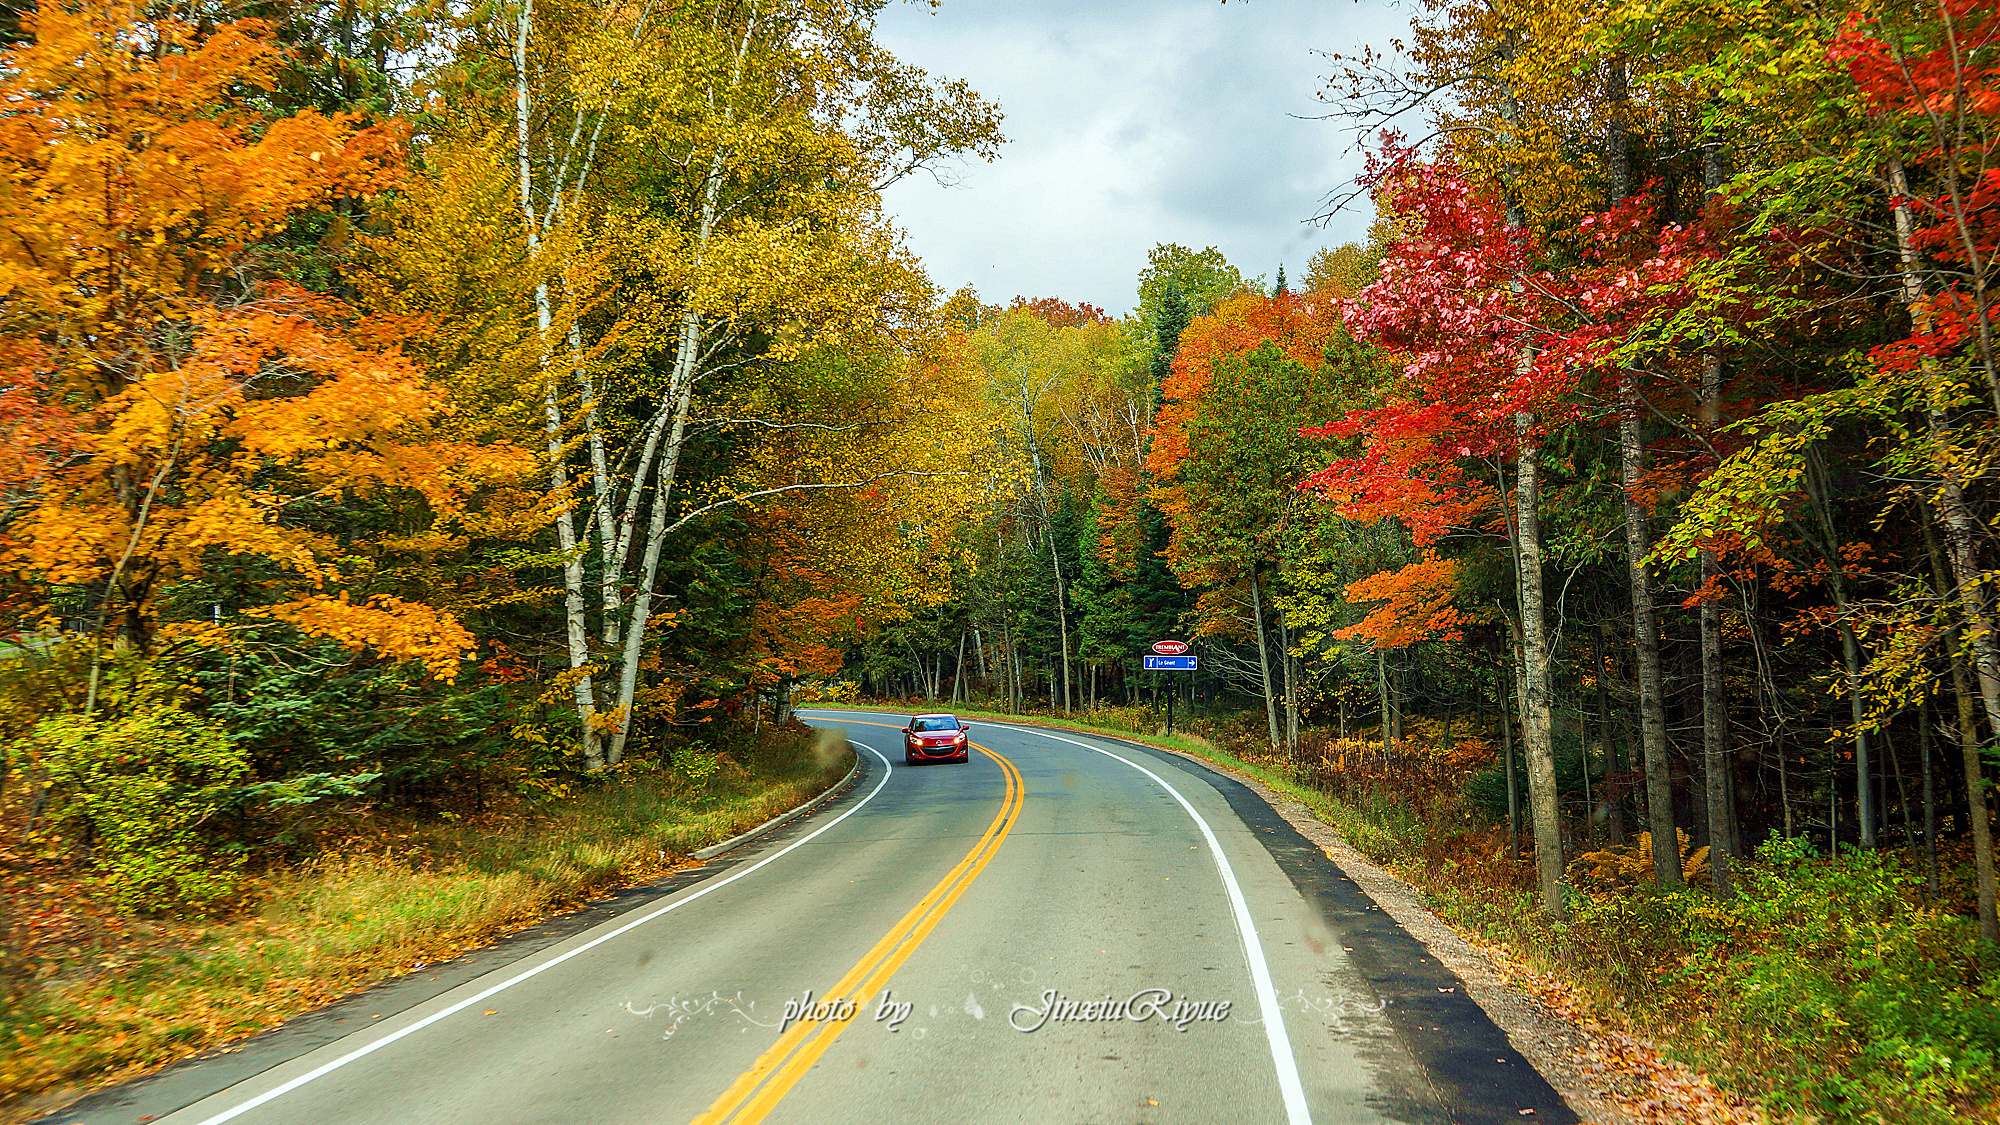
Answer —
1170 656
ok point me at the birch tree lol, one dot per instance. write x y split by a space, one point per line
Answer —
697 188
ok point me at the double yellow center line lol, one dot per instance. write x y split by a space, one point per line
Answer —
761 1087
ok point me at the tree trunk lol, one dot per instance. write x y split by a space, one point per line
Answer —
687 362
1382 696
1513 781
1930 802
1967 582
1264 656
1020 696
1718 770
1290 669
1968 744
1962 530
1866 814
1296 671
1537 735
575 629
1398 714
1614 796
681 392
1902 794
1762 702
1628 717
1646 644
1062 620
1659 803
605 490
1975 791
1535 719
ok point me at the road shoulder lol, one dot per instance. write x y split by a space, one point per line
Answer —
1608 1077
1555 1044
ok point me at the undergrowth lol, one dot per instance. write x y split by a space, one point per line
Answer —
1828 989
97 995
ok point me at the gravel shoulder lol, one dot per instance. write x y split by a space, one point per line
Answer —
1608 1076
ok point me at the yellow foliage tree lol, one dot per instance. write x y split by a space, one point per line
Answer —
694 233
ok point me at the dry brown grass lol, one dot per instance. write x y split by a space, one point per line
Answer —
94 997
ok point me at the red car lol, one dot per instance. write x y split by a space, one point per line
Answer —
936 738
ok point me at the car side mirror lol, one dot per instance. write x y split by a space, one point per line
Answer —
965 726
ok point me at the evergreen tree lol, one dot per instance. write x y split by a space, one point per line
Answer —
1172 319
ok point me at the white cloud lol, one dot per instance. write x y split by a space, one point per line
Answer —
1131 124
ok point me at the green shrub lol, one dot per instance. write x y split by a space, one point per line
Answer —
695 761
140 787
1847 966
1828 987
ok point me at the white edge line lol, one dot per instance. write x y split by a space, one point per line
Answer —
1260 971
336 1064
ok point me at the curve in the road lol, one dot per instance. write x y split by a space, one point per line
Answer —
1104 888
1479 1076
1289 1087
761 1087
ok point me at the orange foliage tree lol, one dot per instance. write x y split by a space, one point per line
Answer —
204 405
1416 604
1300 327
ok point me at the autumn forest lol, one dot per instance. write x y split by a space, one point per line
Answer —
439 423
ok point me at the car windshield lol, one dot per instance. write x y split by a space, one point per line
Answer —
934 722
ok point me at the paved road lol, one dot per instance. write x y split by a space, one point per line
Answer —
1067 929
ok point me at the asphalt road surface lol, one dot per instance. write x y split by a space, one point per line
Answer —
1067 929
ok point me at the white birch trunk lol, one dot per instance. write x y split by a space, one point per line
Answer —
573 604
1962 530
687 362
1646 642
606 492
1537 736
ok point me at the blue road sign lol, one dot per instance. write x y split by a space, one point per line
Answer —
1170 663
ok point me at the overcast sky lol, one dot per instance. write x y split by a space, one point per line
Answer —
1130 123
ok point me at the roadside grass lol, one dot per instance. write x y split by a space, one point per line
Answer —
1825 990
389 895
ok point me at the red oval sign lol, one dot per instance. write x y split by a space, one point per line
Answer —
1170 648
